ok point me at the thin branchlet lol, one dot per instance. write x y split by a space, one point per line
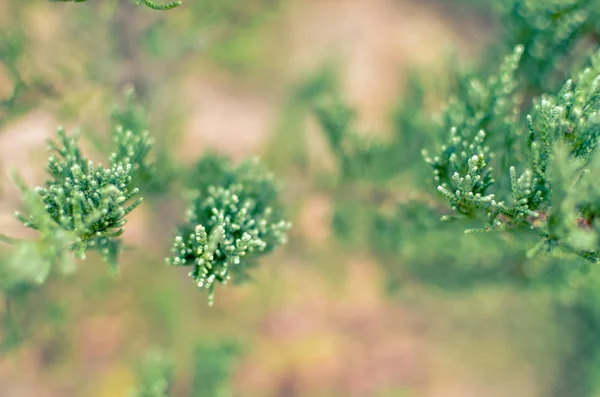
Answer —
149 3
162 7
554 146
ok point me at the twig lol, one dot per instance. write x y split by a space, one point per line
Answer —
7 240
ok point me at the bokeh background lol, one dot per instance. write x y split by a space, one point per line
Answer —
319 318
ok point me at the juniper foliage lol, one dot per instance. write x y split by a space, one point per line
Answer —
210 371
556 36
91 201
212 368
83 206
233 220
554 150
25 87
553 39
359 156
486 132
31 262
374 159
514 153
154 376
133 143
11 50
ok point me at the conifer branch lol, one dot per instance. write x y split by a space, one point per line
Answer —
86 203
234 219
558 140
503 161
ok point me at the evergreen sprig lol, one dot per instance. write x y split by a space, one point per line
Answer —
31 262
86 199
27 87
555 34
485 112
11 51
554 148
233 220
132 141
359 156
154 375
491 162
363 157
212 368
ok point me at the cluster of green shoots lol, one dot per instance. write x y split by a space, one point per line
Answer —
536 172
514 153
234 217
515 148
233 220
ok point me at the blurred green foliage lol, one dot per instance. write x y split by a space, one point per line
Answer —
384 205
88 200
154 376
79 207
210 371
213 364
384 198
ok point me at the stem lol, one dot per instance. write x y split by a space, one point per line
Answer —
7 240
576 369
8 307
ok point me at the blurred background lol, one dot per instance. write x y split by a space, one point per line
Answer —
319 319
